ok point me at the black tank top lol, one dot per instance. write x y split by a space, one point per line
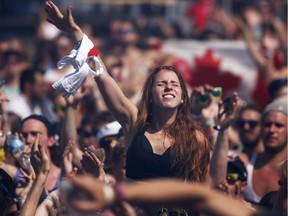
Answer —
142 163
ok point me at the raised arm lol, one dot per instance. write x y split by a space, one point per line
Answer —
120 106
218 162
41 166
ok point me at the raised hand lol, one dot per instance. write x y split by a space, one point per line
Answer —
92 165
23 189
228 110
39 159
64 23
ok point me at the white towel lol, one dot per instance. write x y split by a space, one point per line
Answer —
72 82
99 66
78 58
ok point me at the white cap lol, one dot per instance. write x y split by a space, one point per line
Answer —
109 129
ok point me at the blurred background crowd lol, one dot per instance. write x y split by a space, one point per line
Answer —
237 45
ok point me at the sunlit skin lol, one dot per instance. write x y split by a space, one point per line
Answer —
166 91
275 130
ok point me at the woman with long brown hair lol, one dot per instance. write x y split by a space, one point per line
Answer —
163 139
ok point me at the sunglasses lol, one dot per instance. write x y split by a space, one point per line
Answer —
87 134
205 99
33 133
241 123
232 177
58 108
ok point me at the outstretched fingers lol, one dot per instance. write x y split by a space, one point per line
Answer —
35 147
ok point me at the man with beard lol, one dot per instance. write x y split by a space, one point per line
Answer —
248 125
263 168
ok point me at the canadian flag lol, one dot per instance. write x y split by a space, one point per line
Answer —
219 63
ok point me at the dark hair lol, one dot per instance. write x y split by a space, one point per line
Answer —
28 76
275 86
7 188
7 181
268 200
44 120
250 106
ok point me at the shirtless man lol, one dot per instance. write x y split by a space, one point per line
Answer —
263 168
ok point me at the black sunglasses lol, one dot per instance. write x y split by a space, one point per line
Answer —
33 133
241 123
87 134
58 108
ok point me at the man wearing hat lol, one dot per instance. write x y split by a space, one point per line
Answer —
263 169
107 139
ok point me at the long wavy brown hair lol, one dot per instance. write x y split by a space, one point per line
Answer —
190 149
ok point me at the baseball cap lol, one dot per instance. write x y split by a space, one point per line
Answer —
108 131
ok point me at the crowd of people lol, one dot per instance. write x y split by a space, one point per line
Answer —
95 124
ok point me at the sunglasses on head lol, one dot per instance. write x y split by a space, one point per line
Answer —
241 123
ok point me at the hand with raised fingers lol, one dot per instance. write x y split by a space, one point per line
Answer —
64 23
92 165
39 158
22 190
228 110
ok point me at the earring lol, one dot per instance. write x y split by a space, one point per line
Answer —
182 101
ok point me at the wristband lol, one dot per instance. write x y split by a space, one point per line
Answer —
22 198
119 192
50 199
210 122
93 52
